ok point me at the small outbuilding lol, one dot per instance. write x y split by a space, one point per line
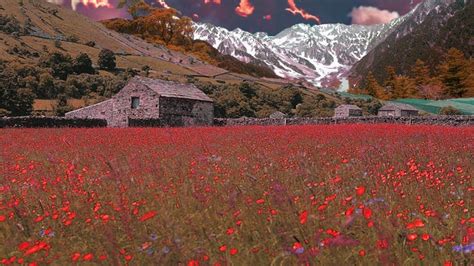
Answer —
278 115
397 110
347 110
172 103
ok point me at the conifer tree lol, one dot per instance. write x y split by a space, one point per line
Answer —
390 84
453 74
373 88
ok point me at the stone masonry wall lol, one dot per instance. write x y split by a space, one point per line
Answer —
49 122
147 109
428 120
185 112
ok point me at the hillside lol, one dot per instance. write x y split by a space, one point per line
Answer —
40 43
444 28
42 24
200 49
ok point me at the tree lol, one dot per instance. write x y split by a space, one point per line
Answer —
146 69
373 88
453 74
60 64
390 84
62 106
83 64
107 59
22 102
405 88
420 73
449 110
46 89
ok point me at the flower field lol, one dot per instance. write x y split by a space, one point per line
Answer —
311 195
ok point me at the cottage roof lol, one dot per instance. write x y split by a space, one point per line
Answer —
172 89
397 106
348 106
278 114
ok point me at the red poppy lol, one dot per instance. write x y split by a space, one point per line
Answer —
233 251
367 212
148 216
303 217
412 237
360 190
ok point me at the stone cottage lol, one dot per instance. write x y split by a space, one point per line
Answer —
172 103
278 115
347 110
397 110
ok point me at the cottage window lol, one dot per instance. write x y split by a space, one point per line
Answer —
135 102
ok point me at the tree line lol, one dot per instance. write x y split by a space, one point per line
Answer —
453 78
57 76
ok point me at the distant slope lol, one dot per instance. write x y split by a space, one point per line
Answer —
44 24
446 26
202 50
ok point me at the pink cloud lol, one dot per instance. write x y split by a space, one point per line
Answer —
369 15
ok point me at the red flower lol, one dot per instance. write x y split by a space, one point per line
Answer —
412 237
230 231
2 218
362 253
193 263
223 248
88 257
382 244
23 245
349 211
367 212
360 190
303 217
260 201
425 237
233 251
148 216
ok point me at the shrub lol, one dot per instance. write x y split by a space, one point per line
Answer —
83 64
449 110
107 59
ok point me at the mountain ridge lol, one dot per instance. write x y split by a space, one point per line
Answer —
317 53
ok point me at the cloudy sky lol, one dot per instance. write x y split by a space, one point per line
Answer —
269 16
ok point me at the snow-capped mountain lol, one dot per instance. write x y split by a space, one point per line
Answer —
314 53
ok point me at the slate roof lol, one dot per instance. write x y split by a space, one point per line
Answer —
395 106
348 106
172 89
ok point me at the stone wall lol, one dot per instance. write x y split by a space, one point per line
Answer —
428 120
102 110
122 111
186 112
44 121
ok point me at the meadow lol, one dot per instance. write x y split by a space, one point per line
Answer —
309 195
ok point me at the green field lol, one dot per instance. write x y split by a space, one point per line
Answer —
465 105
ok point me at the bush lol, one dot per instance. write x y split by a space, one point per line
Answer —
83 64
4 112
60 64
107 59
449 110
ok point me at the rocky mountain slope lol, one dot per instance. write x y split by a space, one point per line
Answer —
32 29
315 53
447 24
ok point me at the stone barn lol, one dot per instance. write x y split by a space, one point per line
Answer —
347 110
278 115
172 103
397 110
